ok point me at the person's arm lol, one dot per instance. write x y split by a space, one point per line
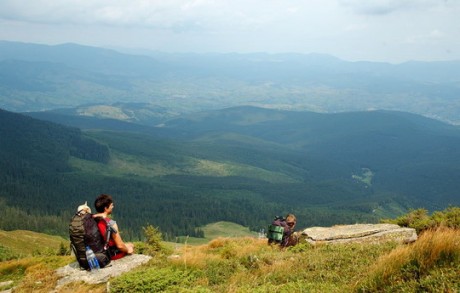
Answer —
121 245
286 228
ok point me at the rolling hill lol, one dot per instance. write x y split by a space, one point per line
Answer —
23 243
242 165
396 147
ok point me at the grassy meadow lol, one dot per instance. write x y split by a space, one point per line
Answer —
21 243
248 264
219 229
243 264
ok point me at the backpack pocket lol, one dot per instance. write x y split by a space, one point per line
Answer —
103 259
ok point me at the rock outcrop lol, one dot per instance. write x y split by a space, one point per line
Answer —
73 273
364 233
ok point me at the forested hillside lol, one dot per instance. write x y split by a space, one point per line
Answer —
42 146
34 164
243 165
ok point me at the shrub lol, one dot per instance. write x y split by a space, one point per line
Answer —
450 217
153 242
301 247
7 254
417 219
420 220
63 249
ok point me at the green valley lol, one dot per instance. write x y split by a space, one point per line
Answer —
242 165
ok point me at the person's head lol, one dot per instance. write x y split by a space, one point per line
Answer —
103 203
291 220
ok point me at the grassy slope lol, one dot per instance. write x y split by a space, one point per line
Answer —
220 229
243 264
25 243
22 242
127 165
247 264
226 229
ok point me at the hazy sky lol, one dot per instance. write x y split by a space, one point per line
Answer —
376 30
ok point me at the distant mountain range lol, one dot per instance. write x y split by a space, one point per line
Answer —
38 77
240 164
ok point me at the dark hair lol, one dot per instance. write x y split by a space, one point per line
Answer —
102 201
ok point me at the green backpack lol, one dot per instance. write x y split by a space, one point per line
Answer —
275 230
275 233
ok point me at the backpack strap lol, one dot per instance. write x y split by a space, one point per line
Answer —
108 234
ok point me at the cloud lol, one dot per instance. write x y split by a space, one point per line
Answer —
355 27
177 15
106 12
350 29
430 37
384 7
379 7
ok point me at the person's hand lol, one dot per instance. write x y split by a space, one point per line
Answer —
130 247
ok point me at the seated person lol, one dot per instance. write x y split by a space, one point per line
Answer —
117 248
289 238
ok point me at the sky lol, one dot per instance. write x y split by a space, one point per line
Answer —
392 31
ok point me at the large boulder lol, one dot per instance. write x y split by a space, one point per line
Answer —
73 273
359 233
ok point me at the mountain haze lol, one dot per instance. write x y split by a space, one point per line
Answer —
38 77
